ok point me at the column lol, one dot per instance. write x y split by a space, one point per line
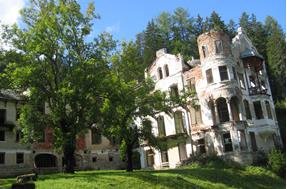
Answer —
216 112
229 109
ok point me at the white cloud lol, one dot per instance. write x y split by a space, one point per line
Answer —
9 14
113 29
9 11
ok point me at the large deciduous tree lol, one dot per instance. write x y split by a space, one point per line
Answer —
128 102
60 68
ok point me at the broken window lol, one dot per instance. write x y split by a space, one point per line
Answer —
2 157
164 156
19 158
191 84
223 73
252 81
166 70
161 126
201 146
253 141
2 116
227 142
159 73
209 76
268 109
204 51
258 110
247 109
218 46
243 143
241 80
222 110
96 136
174 92
178 121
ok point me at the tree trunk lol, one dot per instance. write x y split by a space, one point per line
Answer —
69 147
129 158
69 157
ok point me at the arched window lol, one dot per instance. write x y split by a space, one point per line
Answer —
268 109
222 110
247 109
178 121
234 103
45 160
159 73
166 71
161 126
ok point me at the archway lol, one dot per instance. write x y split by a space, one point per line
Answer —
45 160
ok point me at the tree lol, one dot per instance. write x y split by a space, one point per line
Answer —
129 101
60 68
276 57
216 23
231 28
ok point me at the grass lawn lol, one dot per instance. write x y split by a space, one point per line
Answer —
181 178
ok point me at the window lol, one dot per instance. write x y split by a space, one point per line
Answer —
268 109
247 109
234 106
218 46
164 156
195 113
223 73
94 159
252 81
2 116
174 92
241 80
253 141
159 73
227 142
161 127
2 157
150 158
234 73
212 109
201 146
191 85
18 136
96 136
209 76
204 51
222 110
18 111
243 143
178 119
111 158
258 110
19 158
166 70
2 135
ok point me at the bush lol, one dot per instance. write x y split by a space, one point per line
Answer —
276 162
23 186
260 158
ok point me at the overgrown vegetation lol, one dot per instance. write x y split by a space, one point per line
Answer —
277 162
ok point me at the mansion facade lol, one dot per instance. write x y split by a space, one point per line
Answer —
232 113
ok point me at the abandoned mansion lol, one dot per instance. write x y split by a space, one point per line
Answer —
232 114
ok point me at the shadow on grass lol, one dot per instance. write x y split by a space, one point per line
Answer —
178 178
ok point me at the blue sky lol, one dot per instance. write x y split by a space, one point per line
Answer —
125 18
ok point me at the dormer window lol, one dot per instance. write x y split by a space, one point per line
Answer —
204 51
166 70
218 47
159 73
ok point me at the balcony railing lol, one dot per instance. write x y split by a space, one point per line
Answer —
257 91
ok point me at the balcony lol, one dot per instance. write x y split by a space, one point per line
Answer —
257 91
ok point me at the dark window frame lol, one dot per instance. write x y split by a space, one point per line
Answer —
209 76
227 142
2 157
223 73
204 49
166 70
2 135
19 158
258 110
218 46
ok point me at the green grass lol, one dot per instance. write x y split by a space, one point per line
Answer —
181 178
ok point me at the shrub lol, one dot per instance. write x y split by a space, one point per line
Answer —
260 158
276 162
